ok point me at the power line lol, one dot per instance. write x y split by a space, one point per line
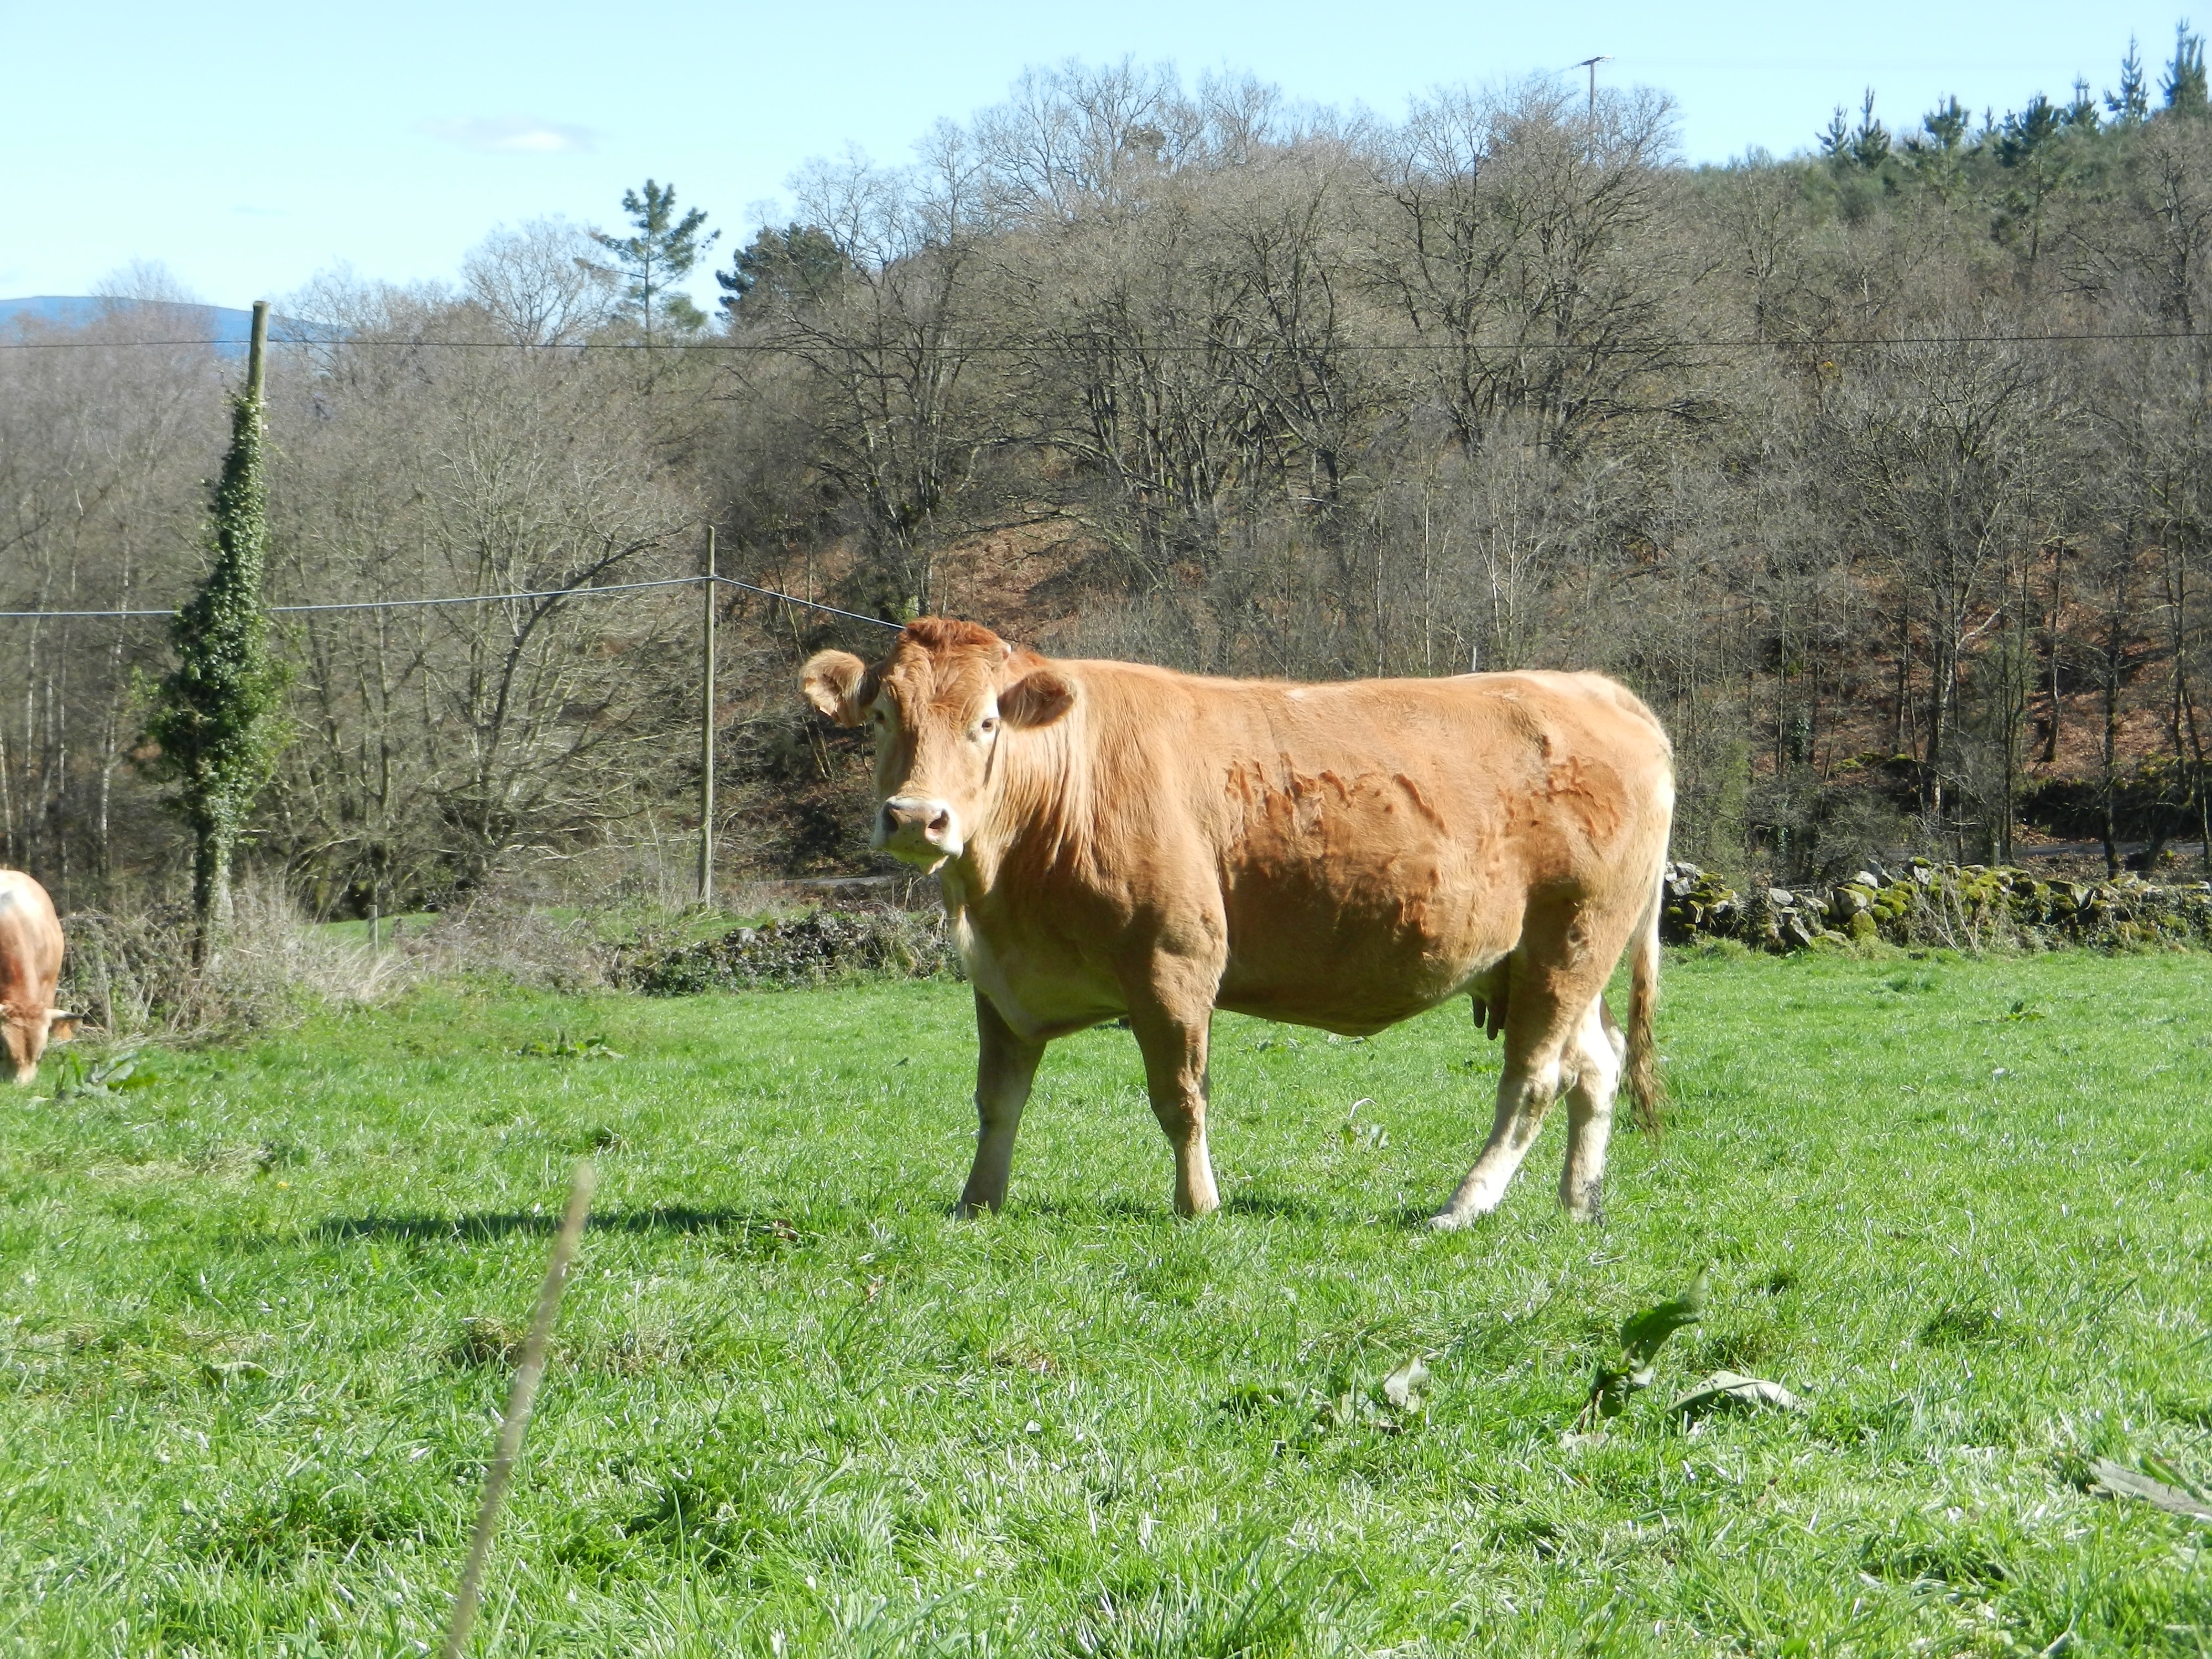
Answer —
476 599
811 605
378 604
993 348
482 598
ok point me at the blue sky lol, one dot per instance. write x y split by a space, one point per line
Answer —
249 146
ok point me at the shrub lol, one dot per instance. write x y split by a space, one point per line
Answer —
808 949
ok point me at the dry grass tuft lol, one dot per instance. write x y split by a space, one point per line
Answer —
135 975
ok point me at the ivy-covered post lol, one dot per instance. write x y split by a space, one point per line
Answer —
217 716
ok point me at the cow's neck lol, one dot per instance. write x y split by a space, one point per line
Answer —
1031 826
969 880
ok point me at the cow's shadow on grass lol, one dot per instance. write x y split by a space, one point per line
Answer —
1127 1206
1276 1204
479 1229
1102 1206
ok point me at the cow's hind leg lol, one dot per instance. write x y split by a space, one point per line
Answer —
1553 986
1006 1067
1597 1060
1525 1093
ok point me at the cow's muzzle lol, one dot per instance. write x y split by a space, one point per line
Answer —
918 830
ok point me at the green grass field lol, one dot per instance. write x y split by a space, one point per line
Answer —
255 1322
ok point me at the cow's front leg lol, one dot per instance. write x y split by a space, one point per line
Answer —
1006 1067
1174 1039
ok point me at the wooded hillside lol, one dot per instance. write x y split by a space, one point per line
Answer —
1882 472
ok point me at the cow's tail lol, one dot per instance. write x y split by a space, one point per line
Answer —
1646 1093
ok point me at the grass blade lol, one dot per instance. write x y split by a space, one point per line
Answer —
519 1399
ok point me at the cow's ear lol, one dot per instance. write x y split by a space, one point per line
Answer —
60 1028
1038 698
831 681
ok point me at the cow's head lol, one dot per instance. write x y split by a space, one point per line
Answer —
27 1032
941 706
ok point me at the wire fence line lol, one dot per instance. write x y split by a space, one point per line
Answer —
1597 348
478 599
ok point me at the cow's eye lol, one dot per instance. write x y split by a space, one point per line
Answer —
990 724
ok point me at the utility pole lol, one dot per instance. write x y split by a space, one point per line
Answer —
1591 63
707 736
257 346
217 714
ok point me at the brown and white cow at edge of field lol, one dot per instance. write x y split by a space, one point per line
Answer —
1115 839
30 968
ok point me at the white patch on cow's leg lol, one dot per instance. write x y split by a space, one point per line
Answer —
1589 1114
1523 1098
1183 1120
1006 1067
1195 1192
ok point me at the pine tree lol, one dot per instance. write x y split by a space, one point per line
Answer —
1935 152
2028 132
796 265
2025 149
661 254
2184 82
216 717
2082 113
2131 106
1946 124
1866 146
1870 144
1836 140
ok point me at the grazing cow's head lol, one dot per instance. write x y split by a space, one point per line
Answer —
27 1034
940 705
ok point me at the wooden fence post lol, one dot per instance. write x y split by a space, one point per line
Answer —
707 736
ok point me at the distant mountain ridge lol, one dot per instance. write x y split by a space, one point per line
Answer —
227 326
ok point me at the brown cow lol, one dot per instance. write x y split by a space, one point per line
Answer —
1120 840
30 967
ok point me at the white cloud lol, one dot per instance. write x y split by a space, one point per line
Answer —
509 135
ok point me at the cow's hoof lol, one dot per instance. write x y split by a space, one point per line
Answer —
1587 1207
1451 1221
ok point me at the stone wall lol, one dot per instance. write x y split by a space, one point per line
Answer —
1966 907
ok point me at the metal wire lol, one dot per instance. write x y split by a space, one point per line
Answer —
483 598
811 605
478 599
991 349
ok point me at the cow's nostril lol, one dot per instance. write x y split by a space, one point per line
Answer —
939 824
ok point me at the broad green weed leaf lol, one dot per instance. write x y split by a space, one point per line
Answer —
1727 1388
79 1078
1402 1387
1247 1398
2164 1468
562 1048
2110 1479
1643 1335
1609 1392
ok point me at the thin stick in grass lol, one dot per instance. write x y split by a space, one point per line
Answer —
520 1398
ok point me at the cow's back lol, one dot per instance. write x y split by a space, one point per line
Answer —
30 943
1368 847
